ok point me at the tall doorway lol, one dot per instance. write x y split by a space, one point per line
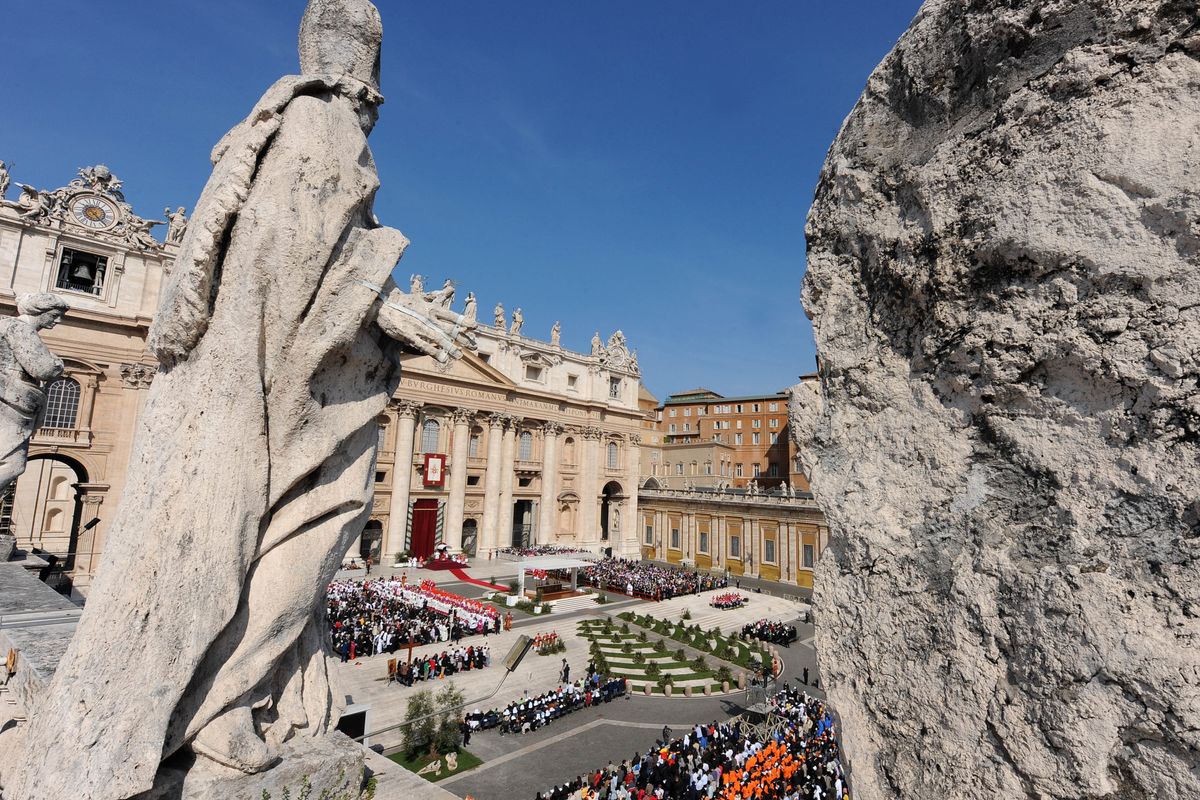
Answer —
371 542
522 523
610 511
470 536
424 528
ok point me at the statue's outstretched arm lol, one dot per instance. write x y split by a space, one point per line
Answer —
422 327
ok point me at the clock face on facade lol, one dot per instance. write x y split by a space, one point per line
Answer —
93 212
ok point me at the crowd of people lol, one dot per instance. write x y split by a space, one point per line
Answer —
381 616
530 713
539 550
647 580
769 630
546 642
728 601
723 761
440 665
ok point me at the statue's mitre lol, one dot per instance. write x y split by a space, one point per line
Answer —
341 37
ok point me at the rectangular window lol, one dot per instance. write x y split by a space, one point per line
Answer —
737 438
703 541
773 470
81 272
739 425
572 380
808 556
614 388
687 427
700 411
735 546
716 437
671 413
533 373
649 534
738 407
757 470
674 538
679 468
737 471
773 407
687 412
708 468
774 423
671 428
755 439
472 480
380 477
473 446
774 438
769 551
756 423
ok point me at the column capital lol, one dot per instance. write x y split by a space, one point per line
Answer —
552 428
407 408
634 439
463 416
594 434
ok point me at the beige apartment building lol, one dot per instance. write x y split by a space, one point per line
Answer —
532 442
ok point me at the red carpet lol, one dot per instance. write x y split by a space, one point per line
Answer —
462 576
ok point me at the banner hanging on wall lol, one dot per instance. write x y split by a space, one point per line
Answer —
435 469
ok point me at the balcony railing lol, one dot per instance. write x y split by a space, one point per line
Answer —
62 436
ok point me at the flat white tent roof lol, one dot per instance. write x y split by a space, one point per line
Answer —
553 562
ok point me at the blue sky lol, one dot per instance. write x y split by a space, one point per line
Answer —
633 165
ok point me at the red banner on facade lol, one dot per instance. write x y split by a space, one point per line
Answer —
435 469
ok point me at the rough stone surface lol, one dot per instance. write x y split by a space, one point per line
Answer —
279 336
1004 284
330 766
8 546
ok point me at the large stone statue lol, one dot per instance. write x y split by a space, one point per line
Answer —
176 224
4 179
1004 281
556 334
518 320
26 365
498 318
252 471
470 307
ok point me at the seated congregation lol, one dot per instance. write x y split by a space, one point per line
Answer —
439 665
728 601
648 580
724 761
381 616
530 713
768 630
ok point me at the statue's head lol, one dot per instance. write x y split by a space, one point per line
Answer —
341 37
44 308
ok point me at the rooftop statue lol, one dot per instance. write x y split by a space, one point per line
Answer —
279 336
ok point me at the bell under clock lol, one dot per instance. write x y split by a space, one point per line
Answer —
93 212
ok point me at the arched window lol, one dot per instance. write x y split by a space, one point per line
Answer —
429 436
525 450
473 445
62 404
613 455
679 468
383 436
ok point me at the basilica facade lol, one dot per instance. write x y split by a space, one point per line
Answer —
522 441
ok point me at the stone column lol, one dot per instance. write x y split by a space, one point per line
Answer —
550 433
504 516
462 417
631 533
491 484
589 487
406 425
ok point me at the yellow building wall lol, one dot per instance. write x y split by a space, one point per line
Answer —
674 522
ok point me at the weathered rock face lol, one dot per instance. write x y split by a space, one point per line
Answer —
1004 279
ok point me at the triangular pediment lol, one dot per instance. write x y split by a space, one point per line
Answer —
470 368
